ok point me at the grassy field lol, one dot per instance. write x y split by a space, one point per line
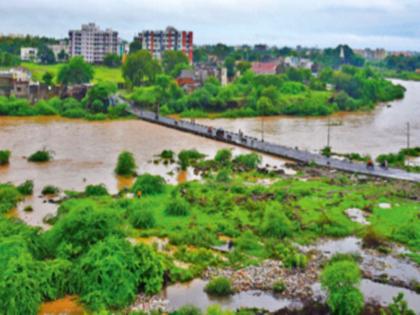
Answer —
102 73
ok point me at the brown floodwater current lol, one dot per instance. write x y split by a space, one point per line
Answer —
86 153
382 130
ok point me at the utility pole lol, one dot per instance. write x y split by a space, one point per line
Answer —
408 135
328 133
262 128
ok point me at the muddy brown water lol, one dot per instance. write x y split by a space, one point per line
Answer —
86 153
380 131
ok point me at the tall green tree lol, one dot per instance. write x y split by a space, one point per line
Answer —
46 55
112 60
173 61
140 68
76 71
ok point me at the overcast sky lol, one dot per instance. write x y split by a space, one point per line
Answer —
392 24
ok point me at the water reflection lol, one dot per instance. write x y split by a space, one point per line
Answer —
193 293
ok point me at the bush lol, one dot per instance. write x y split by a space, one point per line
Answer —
9 197
279 286
149 184
142 218
223 156
126 165
276 223
26 188
81 228
40 156
96 190
4 157
111 272
50 190
188 310
398 307
177 207
223 175
219 286
167 155
340 279
248 161
186 157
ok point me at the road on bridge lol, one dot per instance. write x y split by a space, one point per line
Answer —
271 148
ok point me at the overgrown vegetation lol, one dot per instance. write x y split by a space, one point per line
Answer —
126 165
4 157
98 245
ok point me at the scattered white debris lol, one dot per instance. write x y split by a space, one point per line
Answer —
357 215
385 205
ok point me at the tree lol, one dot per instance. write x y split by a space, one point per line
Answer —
265 106
340 279
126 165
243 66
97 97
174 61
46 55
112 60
62 55
135 46
149 184
47 78
230 66
76 71
140 68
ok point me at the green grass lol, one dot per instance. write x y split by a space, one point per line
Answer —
102 73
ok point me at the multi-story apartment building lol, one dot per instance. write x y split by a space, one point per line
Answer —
93 43
171 39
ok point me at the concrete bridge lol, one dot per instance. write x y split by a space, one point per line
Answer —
271 148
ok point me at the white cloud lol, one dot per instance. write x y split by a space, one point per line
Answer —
389 23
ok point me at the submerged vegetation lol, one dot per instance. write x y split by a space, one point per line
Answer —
41 156
99 246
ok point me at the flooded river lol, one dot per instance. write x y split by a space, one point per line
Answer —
86 153
380 131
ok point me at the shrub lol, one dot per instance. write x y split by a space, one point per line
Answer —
223 175
26 188
20 282
126 165
9 197
219 286
223 156
149 184
167 155
186 157
248 161
279 286
142 218
96 190
398 307
28 209
4 157
111 272
50 190
80 228
177 207
276 223
372 239
40 156
340 279
188 310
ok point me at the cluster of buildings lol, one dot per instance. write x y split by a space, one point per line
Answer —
281 64
93 44
157 42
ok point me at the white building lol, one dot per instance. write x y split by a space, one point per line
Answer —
92 43
28 54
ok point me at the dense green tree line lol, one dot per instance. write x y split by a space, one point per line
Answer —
296 92
95 105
